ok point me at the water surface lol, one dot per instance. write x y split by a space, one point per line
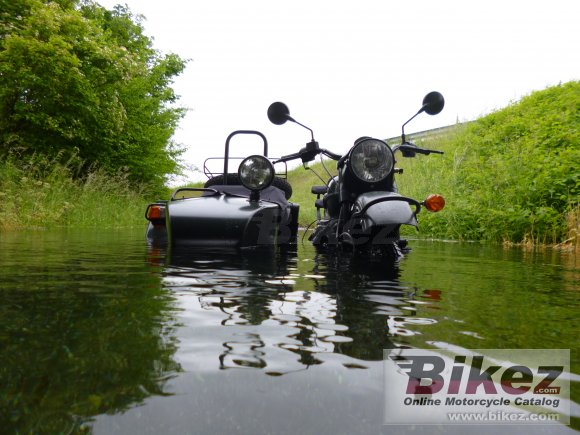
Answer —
100 333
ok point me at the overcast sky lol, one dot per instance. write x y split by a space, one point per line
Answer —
353 68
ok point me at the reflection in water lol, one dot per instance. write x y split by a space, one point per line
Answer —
311 304
82 332
99 332
329 304
355 306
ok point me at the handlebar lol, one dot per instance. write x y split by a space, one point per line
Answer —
308 155
330 154
427 152
288 157
409 150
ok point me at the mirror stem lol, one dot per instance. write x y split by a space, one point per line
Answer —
302 125
409 120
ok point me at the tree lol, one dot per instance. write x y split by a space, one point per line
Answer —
78 78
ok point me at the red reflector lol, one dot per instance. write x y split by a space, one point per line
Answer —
156 212
434 203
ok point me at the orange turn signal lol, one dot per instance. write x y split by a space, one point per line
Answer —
155 212
434 203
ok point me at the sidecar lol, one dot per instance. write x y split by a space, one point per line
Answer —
247 209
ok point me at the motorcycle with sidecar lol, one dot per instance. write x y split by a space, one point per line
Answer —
360 208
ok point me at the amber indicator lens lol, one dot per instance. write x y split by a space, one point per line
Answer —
434 203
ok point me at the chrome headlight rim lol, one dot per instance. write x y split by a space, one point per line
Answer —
381 174
248 180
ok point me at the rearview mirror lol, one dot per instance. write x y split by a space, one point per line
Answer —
433 103
278 113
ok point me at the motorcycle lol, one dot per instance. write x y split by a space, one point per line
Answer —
361 208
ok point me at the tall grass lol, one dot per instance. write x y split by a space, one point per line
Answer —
424 175
572 241
302 181
41 193
511 176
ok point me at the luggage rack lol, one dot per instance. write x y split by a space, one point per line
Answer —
211 174
281 173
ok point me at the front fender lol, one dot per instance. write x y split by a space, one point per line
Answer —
386 208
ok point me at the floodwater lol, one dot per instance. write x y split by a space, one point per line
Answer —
100 333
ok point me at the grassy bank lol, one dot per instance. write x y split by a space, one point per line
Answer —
43 193
302 181
511 176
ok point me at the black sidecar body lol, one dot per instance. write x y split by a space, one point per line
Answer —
247 209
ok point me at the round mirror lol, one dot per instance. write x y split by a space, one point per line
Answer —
433 103
278 113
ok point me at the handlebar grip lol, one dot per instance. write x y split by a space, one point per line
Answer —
288 157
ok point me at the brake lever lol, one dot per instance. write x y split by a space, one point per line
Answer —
409 149
432 151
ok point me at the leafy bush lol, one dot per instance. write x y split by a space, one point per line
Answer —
76 78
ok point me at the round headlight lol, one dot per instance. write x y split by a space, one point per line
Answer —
256 172
371 160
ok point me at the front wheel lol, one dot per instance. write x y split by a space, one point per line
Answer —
324 234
